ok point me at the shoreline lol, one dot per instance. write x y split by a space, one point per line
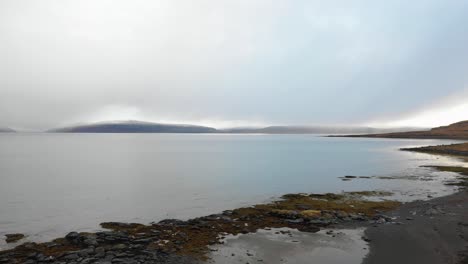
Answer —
459 150
176 241
433 232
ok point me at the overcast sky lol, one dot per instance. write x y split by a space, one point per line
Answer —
237 62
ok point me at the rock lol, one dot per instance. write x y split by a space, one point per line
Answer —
111 236
87 261
143 241
309 229
11 238
72 236
433 211
117 225
72 256
382 216
295 221
328 216
121 255
366 239
226 218
41 257
119 246
311 214
125 260
380 221
100 252
245 231
90 242
341 214
356 217
291 214
172 222
227 212
303 207
85 252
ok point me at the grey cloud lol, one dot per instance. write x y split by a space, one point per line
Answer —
277 62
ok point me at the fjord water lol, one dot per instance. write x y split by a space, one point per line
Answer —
51 184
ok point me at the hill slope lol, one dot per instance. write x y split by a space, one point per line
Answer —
310 130
454 131
6 130
134 127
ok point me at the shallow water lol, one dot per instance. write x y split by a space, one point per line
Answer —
284 245
51 184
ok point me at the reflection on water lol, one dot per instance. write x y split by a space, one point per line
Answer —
279 246
51 184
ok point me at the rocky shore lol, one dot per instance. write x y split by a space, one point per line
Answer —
176 241
453 149
433 231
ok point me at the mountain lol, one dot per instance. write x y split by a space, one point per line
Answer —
133 127
454 131
6 130
148 127
311 130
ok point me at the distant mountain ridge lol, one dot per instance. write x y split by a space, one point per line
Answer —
457 130
312 130
6 130
148 127
134 127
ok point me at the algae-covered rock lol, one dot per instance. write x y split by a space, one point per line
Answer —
284 213
311 214
11 238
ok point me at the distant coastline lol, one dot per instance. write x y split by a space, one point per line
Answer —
149 127
453 149
191 241
133 127
6 130
457 130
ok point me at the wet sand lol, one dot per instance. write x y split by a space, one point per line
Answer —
430 232
434 231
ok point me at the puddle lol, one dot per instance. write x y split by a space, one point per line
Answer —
284 245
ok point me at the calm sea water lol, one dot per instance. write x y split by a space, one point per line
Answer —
51 184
